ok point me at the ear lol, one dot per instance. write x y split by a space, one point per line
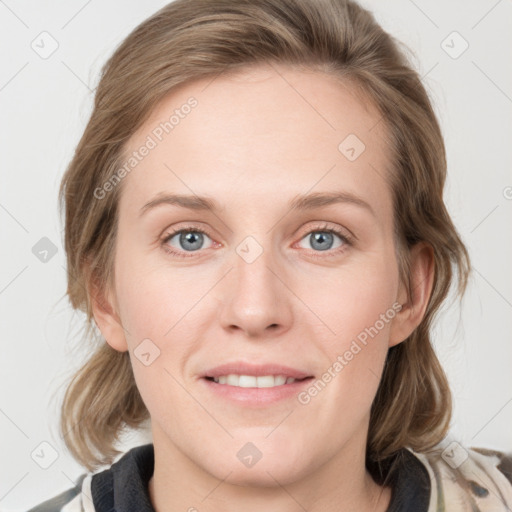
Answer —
104 309
414 303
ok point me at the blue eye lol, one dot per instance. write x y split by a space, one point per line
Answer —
188 240
323 240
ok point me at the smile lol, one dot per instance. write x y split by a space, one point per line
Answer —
251 381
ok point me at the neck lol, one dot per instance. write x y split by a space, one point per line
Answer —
341 484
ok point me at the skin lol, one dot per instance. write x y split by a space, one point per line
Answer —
255 141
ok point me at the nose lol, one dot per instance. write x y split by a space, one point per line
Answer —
256 300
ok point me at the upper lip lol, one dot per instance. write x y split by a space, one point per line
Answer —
258 370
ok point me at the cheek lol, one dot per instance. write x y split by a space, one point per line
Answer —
352 299
358 307
160 331
153 298
163 315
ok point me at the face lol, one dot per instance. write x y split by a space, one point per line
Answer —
286 265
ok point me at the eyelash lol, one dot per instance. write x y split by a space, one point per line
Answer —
346 239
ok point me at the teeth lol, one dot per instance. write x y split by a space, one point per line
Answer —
250 381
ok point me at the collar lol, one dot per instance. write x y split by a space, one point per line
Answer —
410 481
124 486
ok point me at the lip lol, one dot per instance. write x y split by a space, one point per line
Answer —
258 370
255 397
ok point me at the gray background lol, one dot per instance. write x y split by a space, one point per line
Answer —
45 103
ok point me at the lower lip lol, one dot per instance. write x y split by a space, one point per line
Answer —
254 397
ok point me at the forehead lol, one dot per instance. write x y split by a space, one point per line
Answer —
264 132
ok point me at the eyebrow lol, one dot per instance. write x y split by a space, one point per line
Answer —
301 202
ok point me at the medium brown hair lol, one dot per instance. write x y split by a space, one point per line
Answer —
191 39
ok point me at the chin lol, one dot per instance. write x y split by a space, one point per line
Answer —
264 474
258 461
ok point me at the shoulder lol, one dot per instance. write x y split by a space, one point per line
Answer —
129 476
76 499
468 478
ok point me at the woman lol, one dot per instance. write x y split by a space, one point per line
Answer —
255 223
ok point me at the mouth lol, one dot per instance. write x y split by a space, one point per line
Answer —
257 386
